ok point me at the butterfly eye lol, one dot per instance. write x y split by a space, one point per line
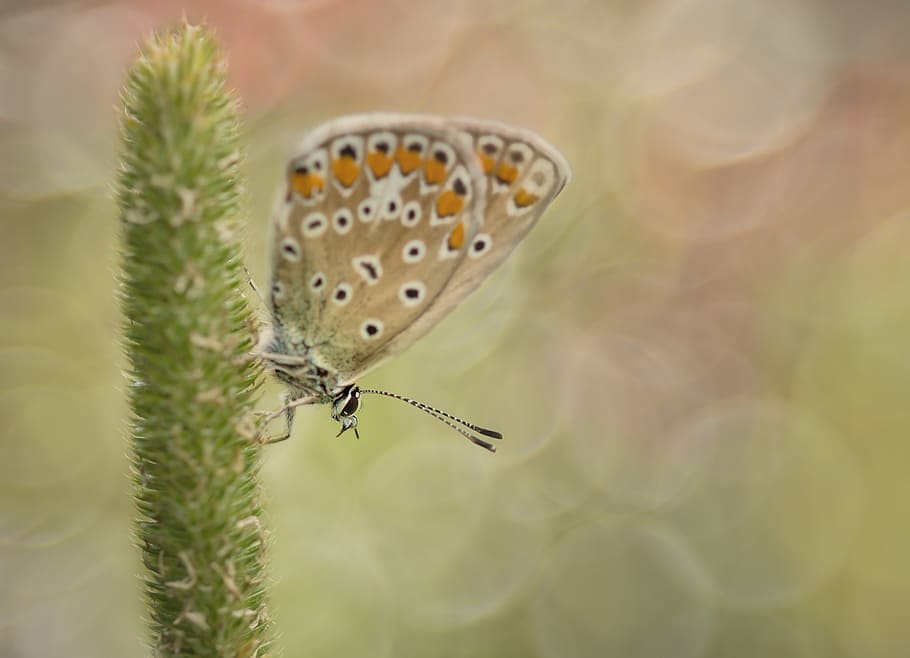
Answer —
352 406
346 404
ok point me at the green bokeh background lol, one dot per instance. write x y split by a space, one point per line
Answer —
698 358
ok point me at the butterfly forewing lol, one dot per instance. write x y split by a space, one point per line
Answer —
378 214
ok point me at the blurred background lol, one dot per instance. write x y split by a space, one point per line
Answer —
699 357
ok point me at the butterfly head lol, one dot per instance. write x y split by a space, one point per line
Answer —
344 405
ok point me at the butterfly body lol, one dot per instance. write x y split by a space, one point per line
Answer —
384 223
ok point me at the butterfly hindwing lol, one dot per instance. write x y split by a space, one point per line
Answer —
522 175
378 214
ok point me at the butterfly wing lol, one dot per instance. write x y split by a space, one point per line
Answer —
377 214
523 173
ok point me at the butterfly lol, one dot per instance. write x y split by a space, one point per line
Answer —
384 223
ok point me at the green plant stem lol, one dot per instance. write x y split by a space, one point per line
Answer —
192 382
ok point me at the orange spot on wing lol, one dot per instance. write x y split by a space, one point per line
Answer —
448 204
456 237
486 162
434 171
379 164
506 173
407 160
523 198
307 184
345 169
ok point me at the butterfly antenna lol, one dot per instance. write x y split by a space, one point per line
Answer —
445 418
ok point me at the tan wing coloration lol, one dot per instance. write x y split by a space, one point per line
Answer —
378 214
523 174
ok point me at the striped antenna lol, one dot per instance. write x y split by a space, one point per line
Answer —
446 418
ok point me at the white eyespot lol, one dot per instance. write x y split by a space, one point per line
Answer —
437 164
290 250
277 291
314 225
391 207
366 211
412 293
536 186
369 268
342 293
351 145
317 282
454 198
541 176
490 146
415 143
446 252
371 329
413 251
312 173
380 155
347 158
342 220
318 161
382 142
481 245
410 155
511 167
410 214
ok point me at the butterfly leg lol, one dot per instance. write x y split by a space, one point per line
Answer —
253 285
289 408
289 423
